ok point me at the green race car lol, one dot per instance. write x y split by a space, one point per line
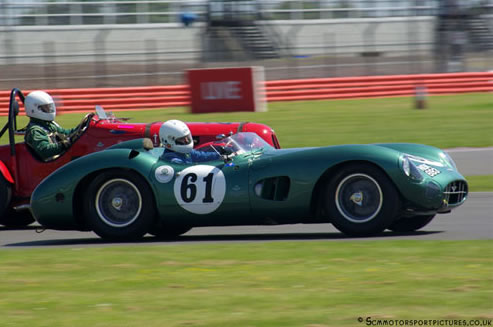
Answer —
129 190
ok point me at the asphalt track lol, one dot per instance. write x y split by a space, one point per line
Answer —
473 220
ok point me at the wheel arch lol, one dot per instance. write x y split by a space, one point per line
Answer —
319 188
83 184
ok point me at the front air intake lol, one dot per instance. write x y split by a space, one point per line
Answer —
456 192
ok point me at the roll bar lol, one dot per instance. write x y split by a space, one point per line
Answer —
12 121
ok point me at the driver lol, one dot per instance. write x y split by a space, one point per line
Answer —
176 138
43 134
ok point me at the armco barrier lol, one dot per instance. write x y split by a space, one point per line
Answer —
125 98
377 86
134 98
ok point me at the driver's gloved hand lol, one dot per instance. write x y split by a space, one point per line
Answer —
228 151
60 137
66 143
225 151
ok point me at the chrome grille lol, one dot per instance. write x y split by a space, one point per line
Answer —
455 192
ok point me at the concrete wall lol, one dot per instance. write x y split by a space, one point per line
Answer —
353 36
83 43
88 43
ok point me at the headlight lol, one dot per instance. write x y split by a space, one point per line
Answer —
410 169
406 165
448 159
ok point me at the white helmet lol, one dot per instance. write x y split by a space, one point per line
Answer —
175 135
40 105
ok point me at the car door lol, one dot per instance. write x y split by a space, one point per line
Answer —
203 194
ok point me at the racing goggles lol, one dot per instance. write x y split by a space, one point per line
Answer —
184 140
48 108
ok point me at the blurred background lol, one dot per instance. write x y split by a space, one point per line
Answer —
98 43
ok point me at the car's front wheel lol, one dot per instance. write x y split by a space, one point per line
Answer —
411 224
361 200
119 206
169 232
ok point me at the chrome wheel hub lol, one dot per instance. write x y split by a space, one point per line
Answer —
117 203
357 198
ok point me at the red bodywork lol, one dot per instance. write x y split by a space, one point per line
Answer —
25 171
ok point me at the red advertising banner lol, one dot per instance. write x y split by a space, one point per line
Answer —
227 89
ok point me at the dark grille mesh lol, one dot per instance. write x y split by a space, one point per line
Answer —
456 192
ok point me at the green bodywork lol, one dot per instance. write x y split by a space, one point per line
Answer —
299 177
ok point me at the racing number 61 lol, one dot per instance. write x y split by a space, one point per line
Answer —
188 189
200 189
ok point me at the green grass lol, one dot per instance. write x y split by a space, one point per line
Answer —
449 121
312 283
480 183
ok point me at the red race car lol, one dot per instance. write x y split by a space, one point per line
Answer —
21 171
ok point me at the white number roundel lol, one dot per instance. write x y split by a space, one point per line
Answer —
200 189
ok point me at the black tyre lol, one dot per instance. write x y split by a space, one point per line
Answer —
411 224
119 206
169 232
8 216
16 219
5 197
361 200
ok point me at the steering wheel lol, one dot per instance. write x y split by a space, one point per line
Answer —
81 128
227 151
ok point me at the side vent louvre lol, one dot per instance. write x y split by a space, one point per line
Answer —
133 154
273 188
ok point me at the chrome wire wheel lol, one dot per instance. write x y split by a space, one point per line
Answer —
363 200
119 205
118 202
358 198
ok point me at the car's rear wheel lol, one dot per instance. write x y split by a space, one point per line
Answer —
411 224
361 200
16 219
8 216
5 198
119 206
